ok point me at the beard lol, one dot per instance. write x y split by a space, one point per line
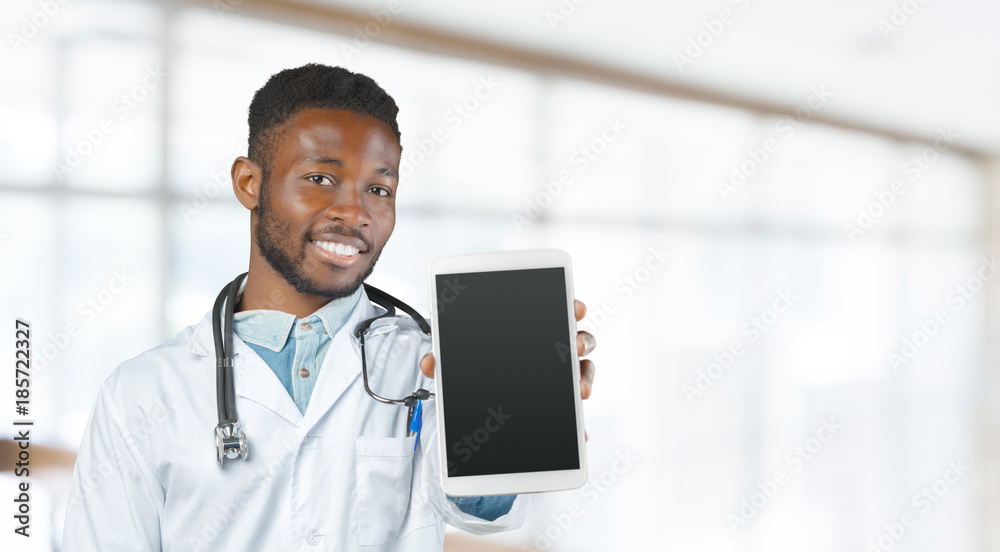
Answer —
275 242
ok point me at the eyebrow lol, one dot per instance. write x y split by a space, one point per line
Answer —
327 160
322 160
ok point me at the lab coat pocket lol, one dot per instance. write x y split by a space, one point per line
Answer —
385 481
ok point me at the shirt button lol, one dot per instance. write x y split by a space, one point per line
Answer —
306 326
304 373
312 537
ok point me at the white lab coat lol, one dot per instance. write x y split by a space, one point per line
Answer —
342 476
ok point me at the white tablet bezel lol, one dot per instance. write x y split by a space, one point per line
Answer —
513 483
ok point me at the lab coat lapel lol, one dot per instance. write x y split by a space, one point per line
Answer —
342 364
254 379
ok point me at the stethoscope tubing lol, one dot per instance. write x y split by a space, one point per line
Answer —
222 332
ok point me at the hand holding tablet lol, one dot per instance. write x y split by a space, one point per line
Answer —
510 381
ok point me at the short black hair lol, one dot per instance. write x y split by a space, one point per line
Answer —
312 85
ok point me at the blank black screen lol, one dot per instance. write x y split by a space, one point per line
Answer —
507 372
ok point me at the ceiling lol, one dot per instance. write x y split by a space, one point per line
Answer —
936 67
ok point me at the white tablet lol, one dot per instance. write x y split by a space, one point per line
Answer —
509 414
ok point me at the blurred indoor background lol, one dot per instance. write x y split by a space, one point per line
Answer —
821 177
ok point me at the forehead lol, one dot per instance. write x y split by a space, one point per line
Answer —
344 133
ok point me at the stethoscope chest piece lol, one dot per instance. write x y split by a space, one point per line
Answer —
230 442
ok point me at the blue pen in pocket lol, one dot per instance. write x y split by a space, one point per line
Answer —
415 422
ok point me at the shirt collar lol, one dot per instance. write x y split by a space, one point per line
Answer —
270 328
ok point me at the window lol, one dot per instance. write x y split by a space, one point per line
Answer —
687 235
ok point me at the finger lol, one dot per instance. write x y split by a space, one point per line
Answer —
579 309
587 372
427 365
585 436
585 343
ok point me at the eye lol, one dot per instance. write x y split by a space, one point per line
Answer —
321 180
382 192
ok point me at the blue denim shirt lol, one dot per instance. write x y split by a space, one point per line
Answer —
294 349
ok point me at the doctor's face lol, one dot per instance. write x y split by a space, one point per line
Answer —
329 204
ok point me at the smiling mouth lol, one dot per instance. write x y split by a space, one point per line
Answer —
337 248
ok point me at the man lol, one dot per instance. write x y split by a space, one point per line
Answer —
329 467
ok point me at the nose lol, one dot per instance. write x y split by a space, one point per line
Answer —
349 206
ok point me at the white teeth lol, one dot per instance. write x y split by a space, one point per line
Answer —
338 248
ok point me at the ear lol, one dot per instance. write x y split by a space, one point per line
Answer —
246 177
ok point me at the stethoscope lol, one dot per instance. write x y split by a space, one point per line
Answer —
230 440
